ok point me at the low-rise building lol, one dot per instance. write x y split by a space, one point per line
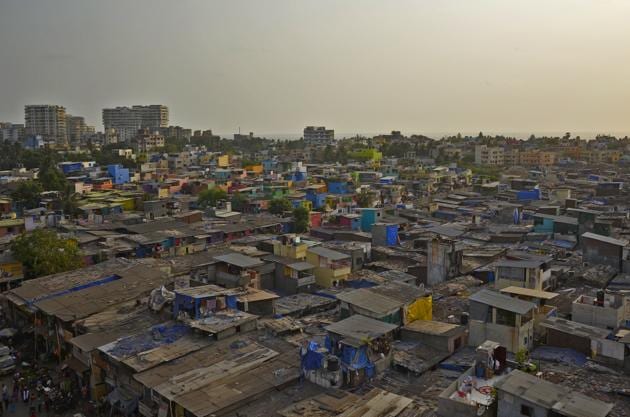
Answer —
605 310
331 267
522 394
495 316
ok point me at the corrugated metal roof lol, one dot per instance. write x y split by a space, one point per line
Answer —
504 302
528 292
605 239
370 301
574 328
552 396
242 261
521 263
330 254
359 327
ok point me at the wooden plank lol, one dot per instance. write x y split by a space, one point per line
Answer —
201 377
381 404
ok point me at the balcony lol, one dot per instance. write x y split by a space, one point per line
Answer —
305 280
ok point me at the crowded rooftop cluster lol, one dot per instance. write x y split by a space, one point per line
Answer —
164 272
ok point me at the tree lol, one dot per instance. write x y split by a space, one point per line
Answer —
301 218
50 176
279 205
329 154
43 253
27 193
364 198
209 198
70 201
239 202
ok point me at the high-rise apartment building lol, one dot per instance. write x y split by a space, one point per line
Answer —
47 121
314 135
76 129
13 132
129 120
148 141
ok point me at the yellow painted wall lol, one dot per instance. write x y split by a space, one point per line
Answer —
223 161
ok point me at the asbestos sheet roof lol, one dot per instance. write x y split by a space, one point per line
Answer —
502 301
359 327
237 259
435 328
575 328
520 263
605 239
552 396
528 292
370 301
330 254
203 291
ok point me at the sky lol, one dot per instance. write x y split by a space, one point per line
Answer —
275 66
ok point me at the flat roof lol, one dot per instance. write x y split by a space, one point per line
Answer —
605 239
528 292
432 327
333 255
359 327
502 301
559 219
370 301
519 263
552 396
301 266
240 260
252 295
574 328
205 291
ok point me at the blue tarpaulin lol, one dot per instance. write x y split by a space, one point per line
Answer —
528 194
90 284
162 334
560 355
230 300
360 283
355 358
311 358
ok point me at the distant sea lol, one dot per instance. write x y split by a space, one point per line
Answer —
438 135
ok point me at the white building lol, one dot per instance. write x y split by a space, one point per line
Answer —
47 121
318 135
489 155
127 121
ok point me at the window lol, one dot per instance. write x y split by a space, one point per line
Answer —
506 318
527 411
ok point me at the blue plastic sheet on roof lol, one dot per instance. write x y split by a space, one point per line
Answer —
561 355
360 283
158 336
563 243
81 287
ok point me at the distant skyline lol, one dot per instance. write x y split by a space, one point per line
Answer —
420 66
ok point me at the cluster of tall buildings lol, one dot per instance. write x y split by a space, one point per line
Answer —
127 121
54 125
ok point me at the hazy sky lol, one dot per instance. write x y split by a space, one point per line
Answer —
275 66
